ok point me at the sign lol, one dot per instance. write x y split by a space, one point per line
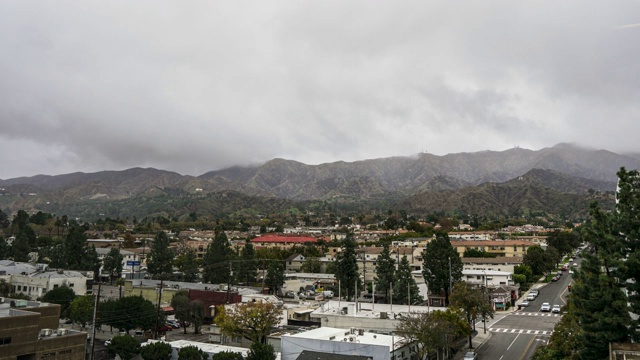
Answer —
133 263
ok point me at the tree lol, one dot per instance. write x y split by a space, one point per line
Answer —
156 351
216 260
5 288
537 260
5 250
187 263
564 241
180 304
563 343
247 267
20 248
125 346
160 258
385 270
192 353
129 241
4 220
259 351
112 264
275 277
196 308
524 270
311 265
347 268
432 331
437 255
472 301
252 321
118 313
81 310
405 289
553 256
62 295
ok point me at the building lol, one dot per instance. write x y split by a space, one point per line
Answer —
488 278
282 241
36 280
351 341
29 331
506 264
501 248
209 349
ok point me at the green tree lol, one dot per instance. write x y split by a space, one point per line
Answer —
252 321
275 277
311 265
216 260
524 270
247 267
432 331
537 260
160 258
5 288
125 346
564 241
405 289
81 310
5 249
119 313
196 308
437 255
259 351
187 263
20 248
4 220
112 264
385 270
192 353
156 351
181 305
347 268
472 301
62 295
563 343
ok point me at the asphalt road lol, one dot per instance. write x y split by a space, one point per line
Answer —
518 334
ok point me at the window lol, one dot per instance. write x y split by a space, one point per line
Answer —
515 248
71 285
55 286
5 341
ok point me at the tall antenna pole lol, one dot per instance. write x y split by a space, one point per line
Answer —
391 295
155 332
409 295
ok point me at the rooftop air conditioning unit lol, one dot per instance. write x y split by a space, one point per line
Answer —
61 332
351 338
384 315
46 332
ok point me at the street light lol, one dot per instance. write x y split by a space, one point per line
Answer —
484 319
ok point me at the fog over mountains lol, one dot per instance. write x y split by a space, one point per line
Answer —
562 175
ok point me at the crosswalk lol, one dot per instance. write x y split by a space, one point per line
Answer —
539 314
521 331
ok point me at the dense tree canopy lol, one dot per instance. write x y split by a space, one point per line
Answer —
347 268
437 255
385 270
405 289
252 321
126 346
216 260
160 258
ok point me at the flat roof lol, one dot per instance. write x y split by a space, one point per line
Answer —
347 335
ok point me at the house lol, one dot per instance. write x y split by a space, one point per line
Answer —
294 262
282 241
350 341
488 278
29 330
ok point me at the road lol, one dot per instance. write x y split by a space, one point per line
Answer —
517 335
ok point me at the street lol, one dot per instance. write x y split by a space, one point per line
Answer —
518 334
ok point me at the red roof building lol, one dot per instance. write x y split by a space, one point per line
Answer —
282 240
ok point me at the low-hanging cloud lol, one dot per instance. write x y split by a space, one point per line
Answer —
193 87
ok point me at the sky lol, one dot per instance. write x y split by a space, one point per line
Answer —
195 86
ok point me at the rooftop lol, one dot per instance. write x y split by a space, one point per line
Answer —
350 335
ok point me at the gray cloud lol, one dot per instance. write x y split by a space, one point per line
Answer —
193 87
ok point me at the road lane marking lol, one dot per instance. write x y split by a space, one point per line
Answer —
514 340
520 331
527 348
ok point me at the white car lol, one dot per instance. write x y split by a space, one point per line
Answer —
556 309
545 307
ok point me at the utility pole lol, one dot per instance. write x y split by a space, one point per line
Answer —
450 278
229 283
93 323
155 332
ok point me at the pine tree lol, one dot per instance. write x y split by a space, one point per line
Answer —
160 258
216 260
112 264
347 268
20 248
247 267
385 270
275 276
405 289
435 268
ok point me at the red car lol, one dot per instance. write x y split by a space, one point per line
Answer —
165 328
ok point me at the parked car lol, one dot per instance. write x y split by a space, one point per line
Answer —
107 342
523 304
531 297
174 324
556 309
555 278
546 307
165 328
471 355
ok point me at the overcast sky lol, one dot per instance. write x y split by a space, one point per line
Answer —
194 86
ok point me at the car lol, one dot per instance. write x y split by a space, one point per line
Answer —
523 304
571 271
555 278
546 307
556 309
174 324
107 342
471 355
570 260
165 328
531 297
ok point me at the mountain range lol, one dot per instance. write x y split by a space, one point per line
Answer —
558 179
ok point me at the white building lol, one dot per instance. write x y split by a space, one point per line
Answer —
489 278
347 342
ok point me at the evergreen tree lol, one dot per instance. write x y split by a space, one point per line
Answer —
260 351
75 246
347 268
160 258
112 264
156 351
216 260
5 250
247 267
4 220
405 289
20 247
187 263
435 268
192 352
538 260
275 277
385 270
